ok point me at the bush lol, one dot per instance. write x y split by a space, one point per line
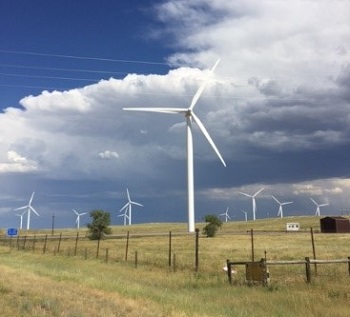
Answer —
214 224
98 228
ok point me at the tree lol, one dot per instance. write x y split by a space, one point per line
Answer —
214 224
98 228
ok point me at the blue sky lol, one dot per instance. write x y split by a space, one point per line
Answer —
277 107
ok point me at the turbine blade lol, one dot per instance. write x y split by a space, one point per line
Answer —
34 211
31 198
287 203
206 134
125 206
314 201
201 88
276 199
246 194
75 212
20 208
135 203
258 192
159 110
322 205
127 193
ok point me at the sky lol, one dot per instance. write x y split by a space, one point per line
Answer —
277 107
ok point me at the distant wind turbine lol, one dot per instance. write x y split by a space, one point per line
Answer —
125 215
226 215
245 215
190 118
78 217
29 208
128 205
318 211
21 217
253 200
280 209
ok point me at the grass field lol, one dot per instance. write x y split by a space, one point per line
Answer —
59 283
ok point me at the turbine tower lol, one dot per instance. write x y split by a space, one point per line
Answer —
29 208
280 209
127 207
253 200
21 219
226 215
245 215
78 217
190 117
318 211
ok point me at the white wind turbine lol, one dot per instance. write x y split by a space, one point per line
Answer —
245 215
125 215
29 208
127 207
21 219
190 118
226 215
253 200
78 217
280 209
318 211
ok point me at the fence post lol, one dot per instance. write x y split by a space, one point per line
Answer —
24 242
169 248
59 243
127 246
252 241
98 247
34 240
136 259
308 270
313 247
349 264
174 262
76 244
45 243
229 271
18 242
197 248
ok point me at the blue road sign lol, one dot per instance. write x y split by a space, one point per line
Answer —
11 232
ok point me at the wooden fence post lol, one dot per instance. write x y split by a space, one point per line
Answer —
197 250
45 244
136 259
174 262
169 248
76 244
127 246
308 270
313 247
252 242
229 271
59 243
98 247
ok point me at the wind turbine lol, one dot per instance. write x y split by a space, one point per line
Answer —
318 211
125 215
253 200
245 215
21 217
78 217
226 215
29 208
127 207
190 117
280 209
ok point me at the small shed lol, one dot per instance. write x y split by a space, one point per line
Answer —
335 225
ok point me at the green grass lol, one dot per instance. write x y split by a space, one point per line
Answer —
60 284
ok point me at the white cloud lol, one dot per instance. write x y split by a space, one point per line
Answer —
108 154
18 164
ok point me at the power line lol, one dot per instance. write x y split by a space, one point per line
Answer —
84 57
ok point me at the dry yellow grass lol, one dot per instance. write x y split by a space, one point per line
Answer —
60 284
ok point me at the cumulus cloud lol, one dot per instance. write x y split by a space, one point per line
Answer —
17 164
108 154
